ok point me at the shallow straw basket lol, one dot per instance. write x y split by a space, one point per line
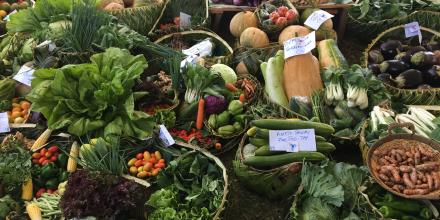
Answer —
222 51
195 149
142 19
407 96
368 30
277 183
372 159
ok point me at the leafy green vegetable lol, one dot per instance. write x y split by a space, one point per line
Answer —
15 165
192 188
197 80
95 97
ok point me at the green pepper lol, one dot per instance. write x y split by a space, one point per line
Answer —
226 130
235 107
212 121
389 212
242 118
52 183
223 118
62 160
238 126
63 176
49 171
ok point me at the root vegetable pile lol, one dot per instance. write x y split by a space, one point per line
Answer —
408 167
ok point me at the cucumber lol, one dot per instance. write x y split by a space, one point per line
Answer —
283 159
265 151
262 133
282 124
325 147
258 142
319 138
251 132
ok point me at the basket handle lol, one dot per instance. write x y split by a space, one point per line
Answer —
401 125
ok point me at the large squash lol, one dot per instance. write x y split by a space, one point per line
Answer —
302 76
241 21
254 38
330 55
291 32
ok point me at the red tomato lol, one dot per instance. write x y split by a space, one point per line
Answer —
282 10
35 161
274 16
291 15
36 155
48 154
159 165
53 149
153 160
281 21
53 158
41 160
40 192
140 156
43 151
161 161
46 161
138 163
50 191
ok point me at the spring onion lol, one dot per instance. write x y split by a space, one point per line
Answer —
333 85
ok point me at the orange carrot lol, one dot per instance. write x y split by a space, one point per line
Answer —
231 87
242 98
200 114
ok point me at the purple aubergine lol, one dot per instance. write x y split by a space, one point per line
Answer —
375 68
390 49
393 67
424 58
386 78
410 79
432 76
374 56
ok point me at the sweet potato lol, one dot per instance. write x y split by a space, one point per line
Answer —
408 183
384 177
383 162
391 160
398 188
430 181
417 158
415 191
405 169
422 186
430 166
413 175
409 154
436 180
419 182
426 151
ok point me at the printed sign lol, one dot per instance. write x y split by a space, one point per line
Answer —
413 29
165 136
25 75
299 45
292 140
317 18
185 20
4 123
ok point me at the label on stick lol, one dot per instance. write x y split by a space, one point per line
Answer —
299 45
292 140
316 19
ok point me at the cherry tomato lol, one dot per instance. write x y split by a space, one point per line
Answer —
153 160
159 165
155 172
36 155
48 154
41 160
35 161
161 161
43 151
142 174
53 158
40 192
139 156
53 149
148 166
138 163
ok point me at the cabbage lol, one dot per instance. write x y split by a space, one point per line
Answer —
226 72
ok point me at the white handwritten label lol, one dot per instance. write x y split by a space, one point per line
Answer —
413 29
299 45
317 18
25 75
202 49
8 17
292 140
4 123
185 20
165 136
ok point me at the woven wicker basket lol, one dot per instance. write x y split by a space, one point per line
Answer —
142 19
368 30
218 213
373 165
222 52
252 57
273 29
407 96
278 183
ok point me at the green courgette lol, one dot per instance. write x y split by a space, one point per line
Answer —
262 133
408 206
325 147
258 142
282 124
283 159
251 132
320 138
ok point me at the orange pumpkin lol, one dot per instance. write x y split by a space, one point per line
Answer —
241 21
291 32
254 38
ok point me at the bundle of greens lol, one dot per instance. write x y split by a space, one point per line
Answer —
199 80
363 91
99 195
330 191
192 188
104 156
95 97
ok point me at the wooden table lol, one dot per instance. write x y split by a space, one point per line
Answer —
339 10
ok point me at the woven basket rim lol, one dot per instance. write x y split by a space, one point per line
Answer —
224 173
390 137
211 34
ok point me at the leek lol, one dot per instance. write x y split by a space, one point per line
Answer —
423 116
273 72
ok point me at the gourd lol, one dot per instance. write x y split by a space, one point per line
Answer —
330 55
254 38
241 21
302 76
291 32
